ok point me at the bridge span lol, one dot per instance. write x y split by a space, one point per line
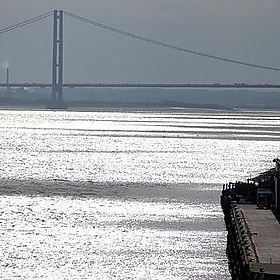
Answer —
143 85
58 83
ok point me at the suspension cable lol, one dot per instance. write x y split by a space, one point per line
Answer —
155 42
26 22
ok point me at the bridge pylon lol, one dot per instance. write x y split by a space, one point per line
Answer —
57 64
8 88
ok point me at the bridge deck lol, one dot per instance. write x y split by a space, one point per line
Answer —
143 85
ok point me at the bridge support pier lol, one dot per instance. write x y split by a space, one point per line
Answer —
57 66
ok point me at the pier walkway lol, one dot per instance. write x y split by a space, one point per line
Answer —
265 230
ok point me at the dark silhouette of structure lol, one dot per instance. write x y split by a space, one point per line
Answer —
57 65
252 215
8 88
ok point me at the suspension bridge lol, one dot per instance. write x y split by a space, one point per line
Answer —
58 84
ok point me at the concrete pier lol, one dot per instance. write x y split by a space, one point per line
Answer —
265 230
250 210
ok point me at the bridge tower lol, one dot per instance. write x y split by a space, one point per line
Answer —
8 89
57 64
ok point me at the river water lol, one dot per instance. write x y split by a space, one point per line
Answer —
123 194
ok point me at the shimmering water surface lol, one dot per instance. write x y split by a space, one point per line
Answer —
123 194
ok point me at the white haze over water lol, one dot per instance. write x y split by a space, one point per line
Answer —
5 64
123 194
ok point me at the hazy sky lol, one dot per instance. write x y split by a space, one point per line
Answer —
246 30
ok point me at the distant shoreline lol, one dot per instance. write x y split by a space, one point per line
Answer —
89 104
146 98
